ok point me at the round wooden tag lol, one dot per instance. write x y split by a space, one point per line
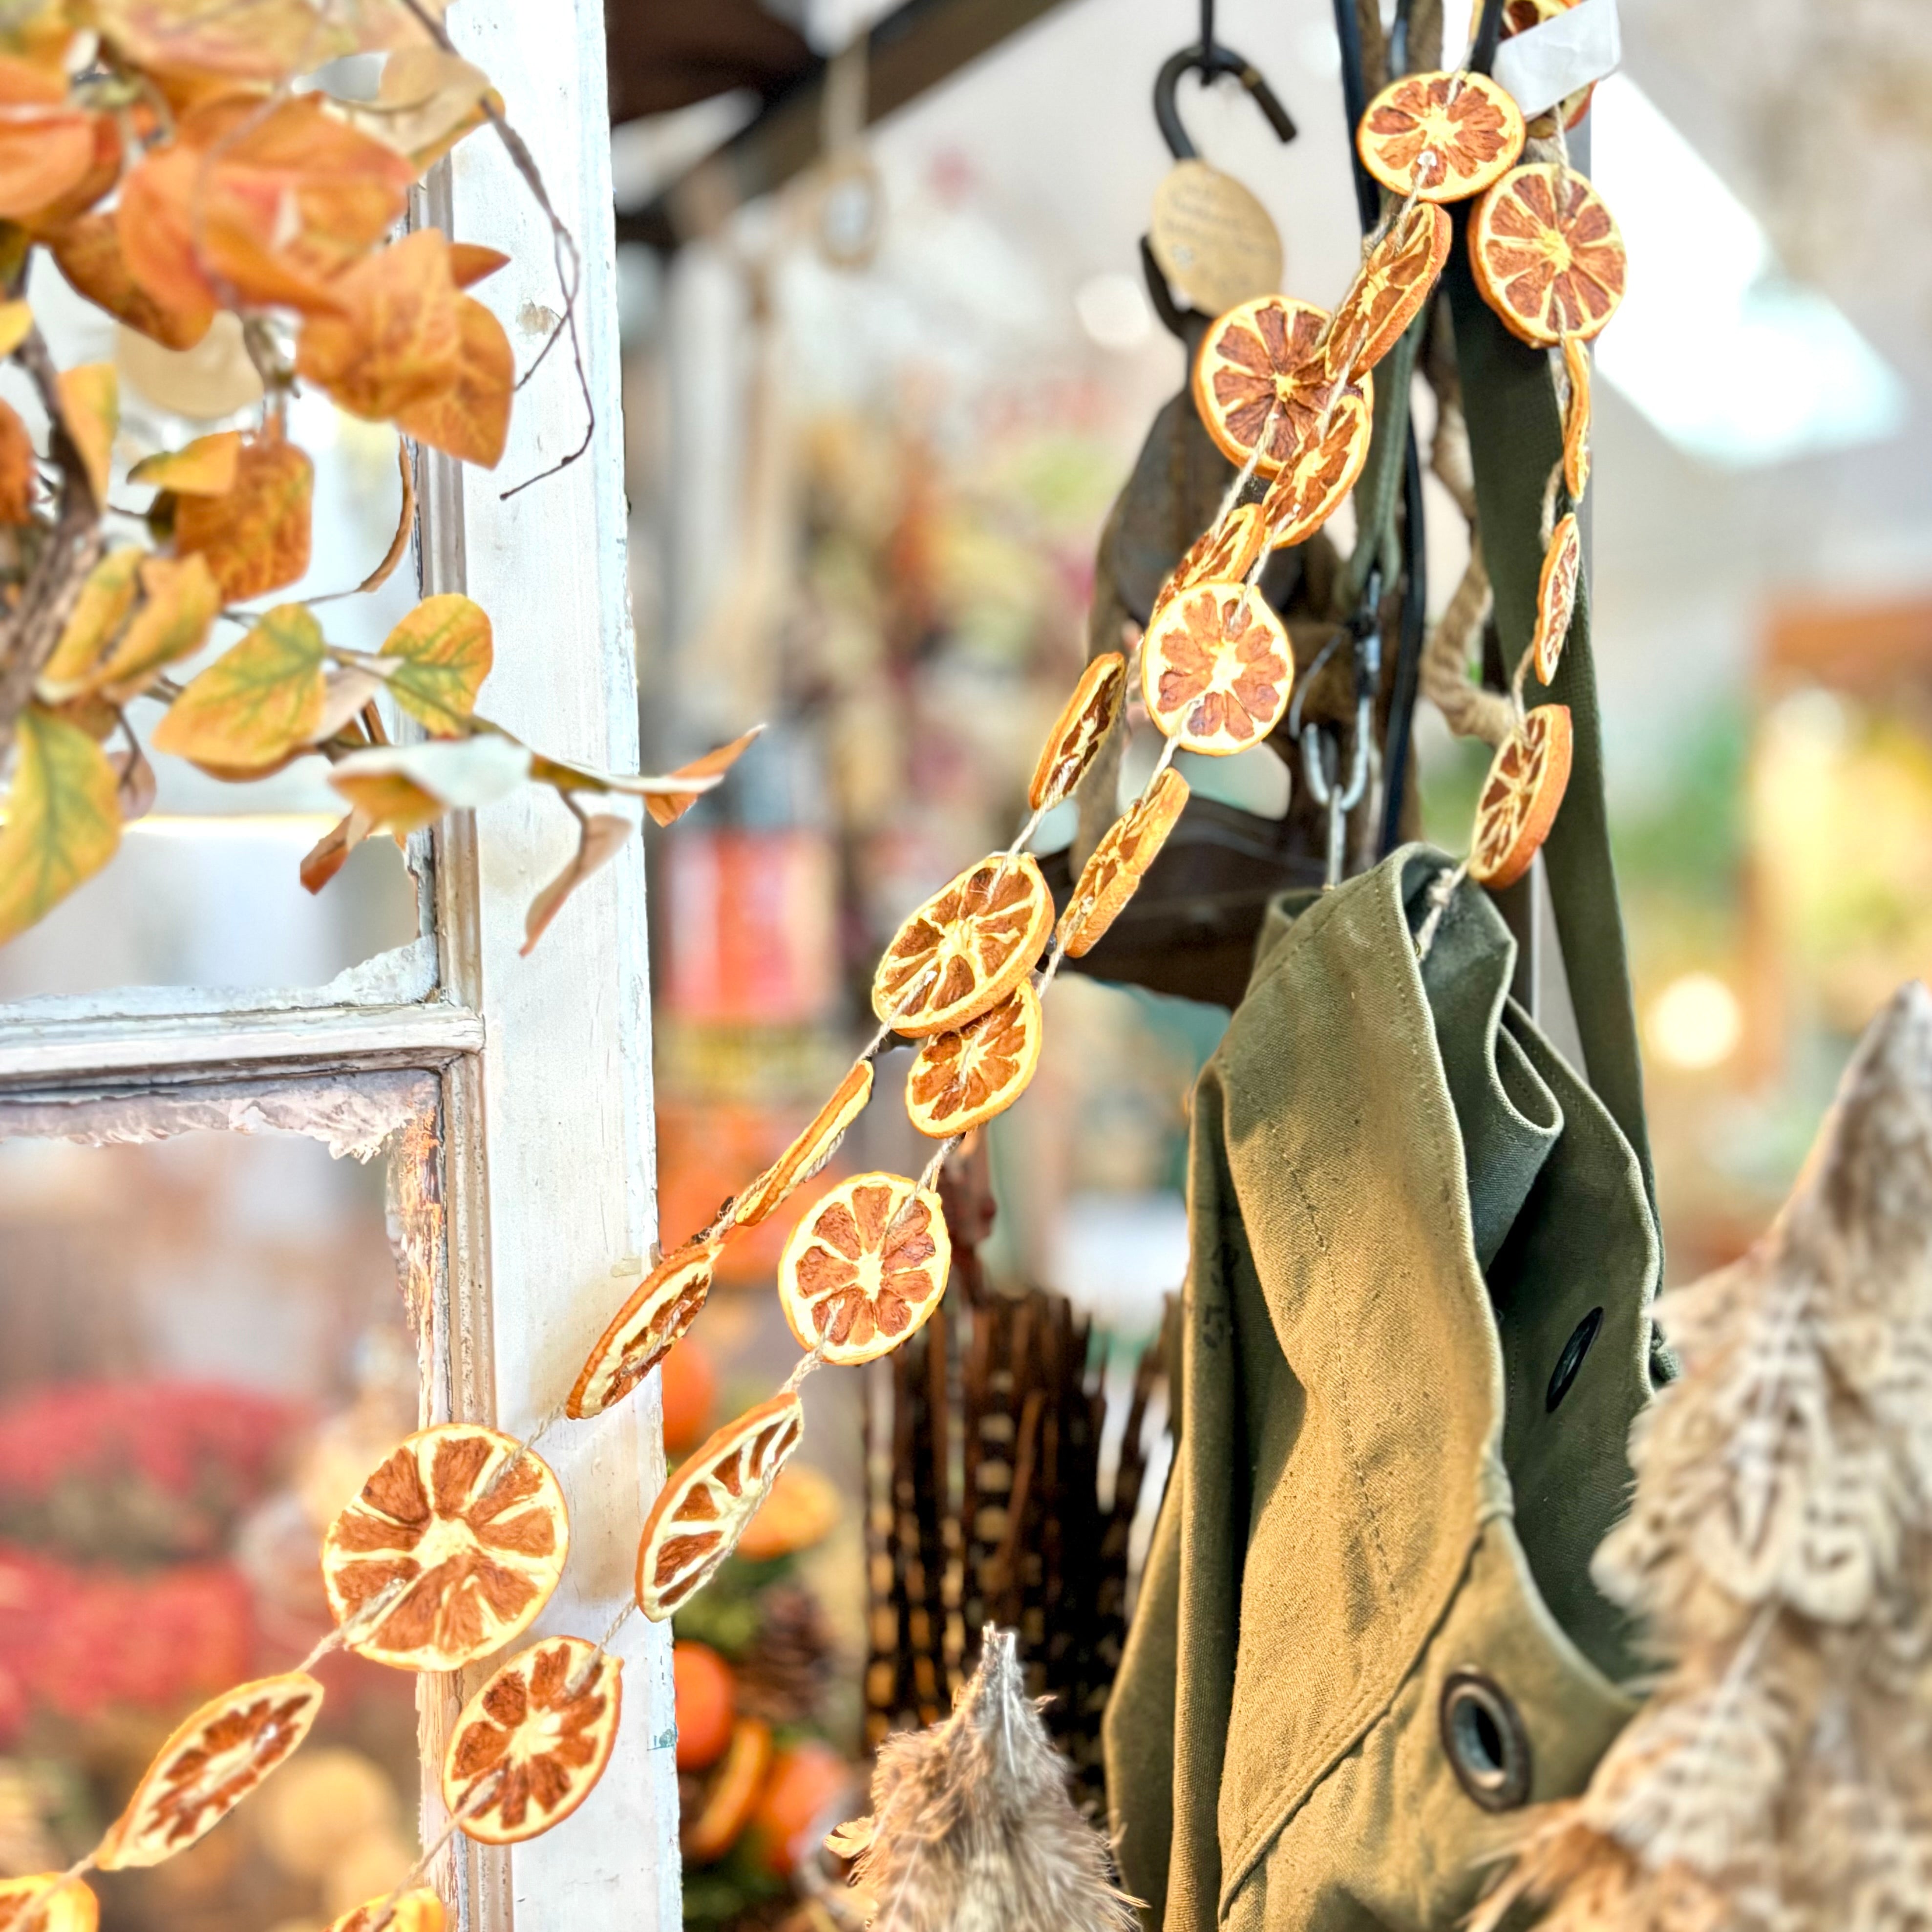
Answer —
1214 241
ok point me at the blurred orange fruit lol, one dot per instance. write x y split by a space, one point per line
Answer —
801 1511
690 1389
707 1695
810 1785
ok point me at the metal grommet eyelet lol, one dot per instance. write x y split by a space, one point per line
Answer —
1487 1746
1570 1359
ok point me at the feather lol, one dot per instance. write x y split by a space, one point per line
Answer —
973 1829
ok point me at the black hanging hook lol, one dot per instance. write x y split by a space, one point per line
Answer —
1210 59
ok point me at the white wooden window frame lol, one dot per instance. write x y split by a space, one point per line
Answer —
543 1064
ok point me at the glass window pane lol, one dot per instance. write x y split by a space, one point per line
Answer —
203 1351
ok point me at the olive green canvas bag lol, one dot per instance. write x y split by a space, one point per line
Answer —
1415 1331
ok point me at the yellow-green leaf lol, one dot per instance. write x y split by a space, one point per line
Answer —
445 643
62 825
105 599
386 802
16 319
205 467
256 702
182 600
90 405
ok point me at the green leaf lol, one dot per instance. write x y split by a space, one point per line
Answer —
62 825
257 702
445 644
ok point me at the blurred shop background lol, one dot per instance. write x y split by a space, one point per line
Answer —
874 423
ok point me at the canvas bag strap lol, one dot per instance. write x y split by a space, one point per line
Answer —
1516 436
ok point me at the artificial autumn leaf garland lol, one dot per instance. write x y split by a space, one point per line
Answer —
457 1541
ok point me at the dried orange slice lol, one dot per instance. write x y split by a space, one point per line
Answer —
1310 490
1108 879
1216 669
1440 136
1518 17
1223 553
1520 795
702 1511
530 1744
1547 254
210 1763
643 1331
810 1152
960 1078
471 1525
1556 595
1084 720
417 1909
864 1268
46 1903
733 1795
1259 370
1576 419
966 949
1389 291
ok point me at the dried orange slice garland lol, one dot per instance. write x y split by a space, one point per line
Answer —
701 1512
1576 419
47 1902
210 1763
1397 277
530 1744
1119 863
1084 722
471 1526
1225 553
1556 596
1519 800
961 1079
1310 490
1547 255
966 949
1440 136
809 1152
417 1910
1216 669
643 1332
864 1269
1258 380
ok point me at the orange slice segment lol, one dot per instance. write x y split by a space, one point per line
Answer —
1310 490
210 1763
417 1910
1440 136
1576 419
864 1268
643 1331
734 1794
702 1511
1216 669
1084 720
1388 291
1258 374
1556 595
1223 553
966 949
1108 880
44 1903
810 1152
1520 795
530 1744
1547 254
961 1077
469 1526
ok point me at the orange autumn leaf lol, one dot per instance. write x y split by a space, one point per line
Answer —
470 419
470 263
264 40
87 252
17 318
205 467
667 809
268 209
105 600
397 339
255 537
180 601
427 99
601 837
90 403
47 146
20 481
257 702
102 172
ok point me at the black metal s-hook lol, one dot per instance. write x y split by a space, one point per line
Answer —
1210 60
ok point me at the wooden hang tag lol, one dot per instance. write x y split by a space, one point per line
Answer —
1214 241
